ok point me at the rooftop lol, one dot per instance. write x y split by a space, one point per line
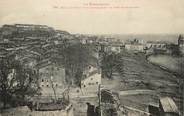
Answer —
168 105
159 42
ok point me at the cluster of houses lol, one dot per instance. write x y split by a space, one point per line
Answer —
53 77
135 45
107 44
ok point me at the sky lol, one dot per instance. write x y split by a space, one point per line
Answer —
149 16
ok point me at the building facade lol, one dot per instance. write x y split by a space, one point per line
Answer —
135 45
52 77
91 81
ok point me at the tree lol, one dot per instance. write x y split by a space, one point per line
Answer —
109 64
175 50
77 58
17 82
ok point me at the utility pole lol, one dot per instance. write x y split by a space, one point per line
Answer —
182 81
99 96
181 87
182 97
52 84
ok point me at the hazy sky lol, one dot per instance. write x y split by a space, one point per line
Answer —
152 16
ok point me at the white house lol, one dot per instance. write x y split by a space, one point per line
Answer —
156 44
135 47
51 77
51 73
90 84
116 47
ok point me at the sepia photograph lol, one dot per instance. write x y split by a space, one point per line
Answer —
91 58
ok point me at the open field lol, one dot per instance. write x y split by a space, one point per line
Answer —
137 73
175 64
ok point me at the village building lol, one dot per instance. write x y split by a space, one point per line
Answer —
109 48
161 47
83 40
91 81
105 48
51 77
52 73
90 84
116 47
89 41
134 47
156 45
102 41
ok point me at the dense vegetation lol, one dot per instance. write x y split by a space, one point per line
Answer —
17 82
111 63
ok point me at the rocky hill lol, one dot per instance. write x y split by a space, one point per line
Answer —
32 43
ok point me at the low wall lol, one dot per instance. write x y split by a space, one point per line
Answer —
25 111
52 113
132 112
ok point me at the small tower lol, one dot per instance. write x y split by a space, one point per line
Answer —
181 43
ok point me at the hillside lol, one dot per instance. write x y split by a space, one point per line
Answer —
30 43
136 73
38 46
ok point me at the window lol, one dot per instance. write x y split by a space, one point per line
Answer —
91 78
96 82
47 85
42 80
